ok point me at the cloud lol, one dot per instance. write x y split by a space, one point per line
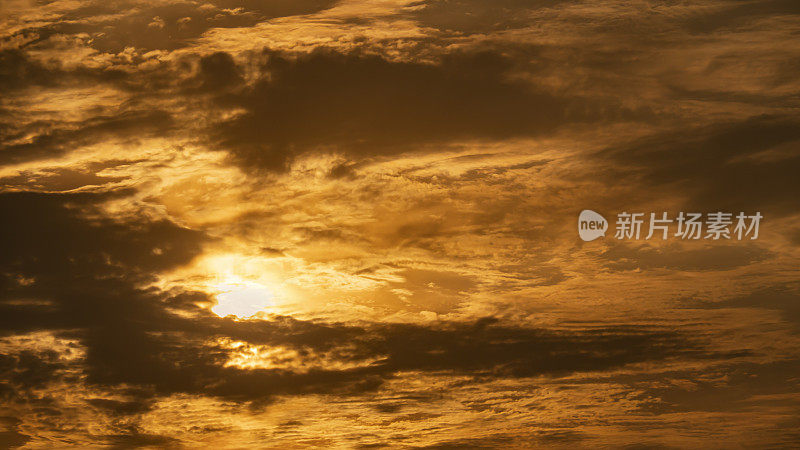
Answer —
28 370
177 361
59 140
439 151
158 25
782 298
118 407
366 105
719 257
82 278
748 165
56 180
542 437
733 14
217 72
475 16
734 386
45 235
18 71
12 437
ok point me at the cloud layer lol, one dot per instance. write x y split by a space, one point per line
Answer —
393 186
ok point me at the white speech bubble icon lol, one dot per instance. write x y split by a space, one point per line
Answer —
591 225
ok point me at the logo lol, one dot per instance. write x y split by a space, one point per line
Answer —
689 226
591 225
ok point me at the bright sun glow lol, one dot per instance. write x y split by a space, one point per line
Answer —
242 299
243 285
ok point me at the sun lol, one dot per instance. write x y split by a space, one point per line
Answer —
244 286
237 284
242 298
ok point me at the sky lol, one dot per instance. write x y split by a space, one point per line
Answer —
354 224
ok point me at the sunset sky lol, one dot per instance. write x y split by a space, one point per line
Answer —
353 224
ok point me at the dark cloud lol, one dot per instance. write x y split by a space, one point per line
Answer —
475 16
53 141
11 437
133 438
782 298
27 370
48 236
217 72
113 27
182 362
118 407
56 180
277 8
735 14
719 257
782 75
744 166
85 271
365 105
649 446
731 386
68 271
541 437
489 348
794 237
19 71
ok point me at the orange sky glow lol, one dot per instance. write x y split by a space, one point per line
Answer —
352 224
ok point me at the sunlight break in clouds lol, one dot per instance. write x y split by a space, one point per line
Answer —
241 299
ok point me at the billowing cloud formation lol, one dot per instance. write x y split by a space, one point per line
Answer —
77 277
131 338
392 188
